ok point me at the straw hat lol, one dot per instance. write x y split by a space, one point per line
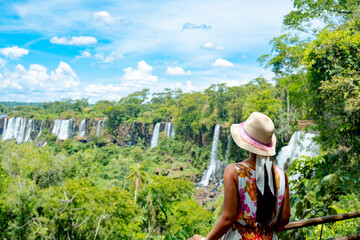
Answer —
255 135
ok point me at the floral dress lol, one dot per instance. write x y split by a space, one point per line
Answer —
246 226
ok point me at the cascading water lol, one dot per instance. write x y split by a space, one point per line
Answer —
30 129
41 127
215 164
4 129
301 144
56 128
82 128
155 136
64 129
132 136
228 149
172 132
15 129
100 128
170 129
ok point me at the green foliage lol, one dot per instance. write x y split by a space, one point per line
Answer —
28 161
327 11
67 104
190 213
333 64
81 211
160 196
262 99
184 233
316 188
128 108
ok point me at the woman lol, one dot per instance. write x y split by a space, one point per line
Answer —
256 192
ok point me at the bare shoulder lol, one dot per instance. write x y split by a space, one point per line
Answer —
230 171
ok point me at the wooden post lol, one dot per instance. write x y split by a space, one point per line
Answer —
321 220
348 237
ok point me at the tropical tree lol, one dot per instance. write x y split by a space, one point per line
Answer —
138 176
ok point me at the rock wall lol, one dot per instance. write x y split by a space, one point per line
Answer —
134 133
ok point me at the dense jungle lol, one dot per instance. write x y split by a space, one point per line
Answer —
114 185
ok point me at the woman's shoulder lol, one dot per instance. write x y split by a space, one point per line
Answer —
242 170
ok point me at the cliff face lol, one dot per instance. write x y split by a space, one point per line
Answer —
1 125
134 133
127 134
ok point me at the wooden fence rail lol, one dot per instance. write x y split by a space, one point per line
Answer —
322 220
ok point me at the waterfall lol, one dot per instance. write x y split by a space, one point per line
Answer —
9 129
301 144
215 164
170 129
82 128
41 127
132 136
30 129
56 127
100 128
155 136
20 126
14 129
64 129
228 148
4 129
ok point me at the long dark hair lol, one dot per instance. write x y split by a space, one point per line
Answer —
266 204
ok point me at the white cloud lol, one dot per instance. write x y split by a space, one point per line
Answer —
112 92
232 83
220 62
82 40
64 76
84 54
2 62
13 52
210 45
113 56
188 87
105 89
140 76
37 79
187 26
105 17
177 71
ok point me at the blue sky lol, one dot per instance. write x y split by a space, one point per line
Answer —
50 50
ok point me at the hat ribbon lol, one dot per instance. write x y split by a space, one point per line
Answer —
263 163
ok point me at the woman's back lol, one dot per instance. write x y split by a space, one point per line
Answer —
246 226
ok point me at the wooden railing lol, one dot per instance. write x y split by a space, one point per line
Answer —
321 220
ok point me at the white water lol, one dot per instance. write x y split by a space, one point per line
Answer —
14 128
132 136
155 136
215 164
82 128
64 129
228 149
41 127
29 130
301 144
170 129
100 128
4 129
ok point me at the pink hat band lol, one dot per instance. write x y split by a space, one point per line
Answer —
253 141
